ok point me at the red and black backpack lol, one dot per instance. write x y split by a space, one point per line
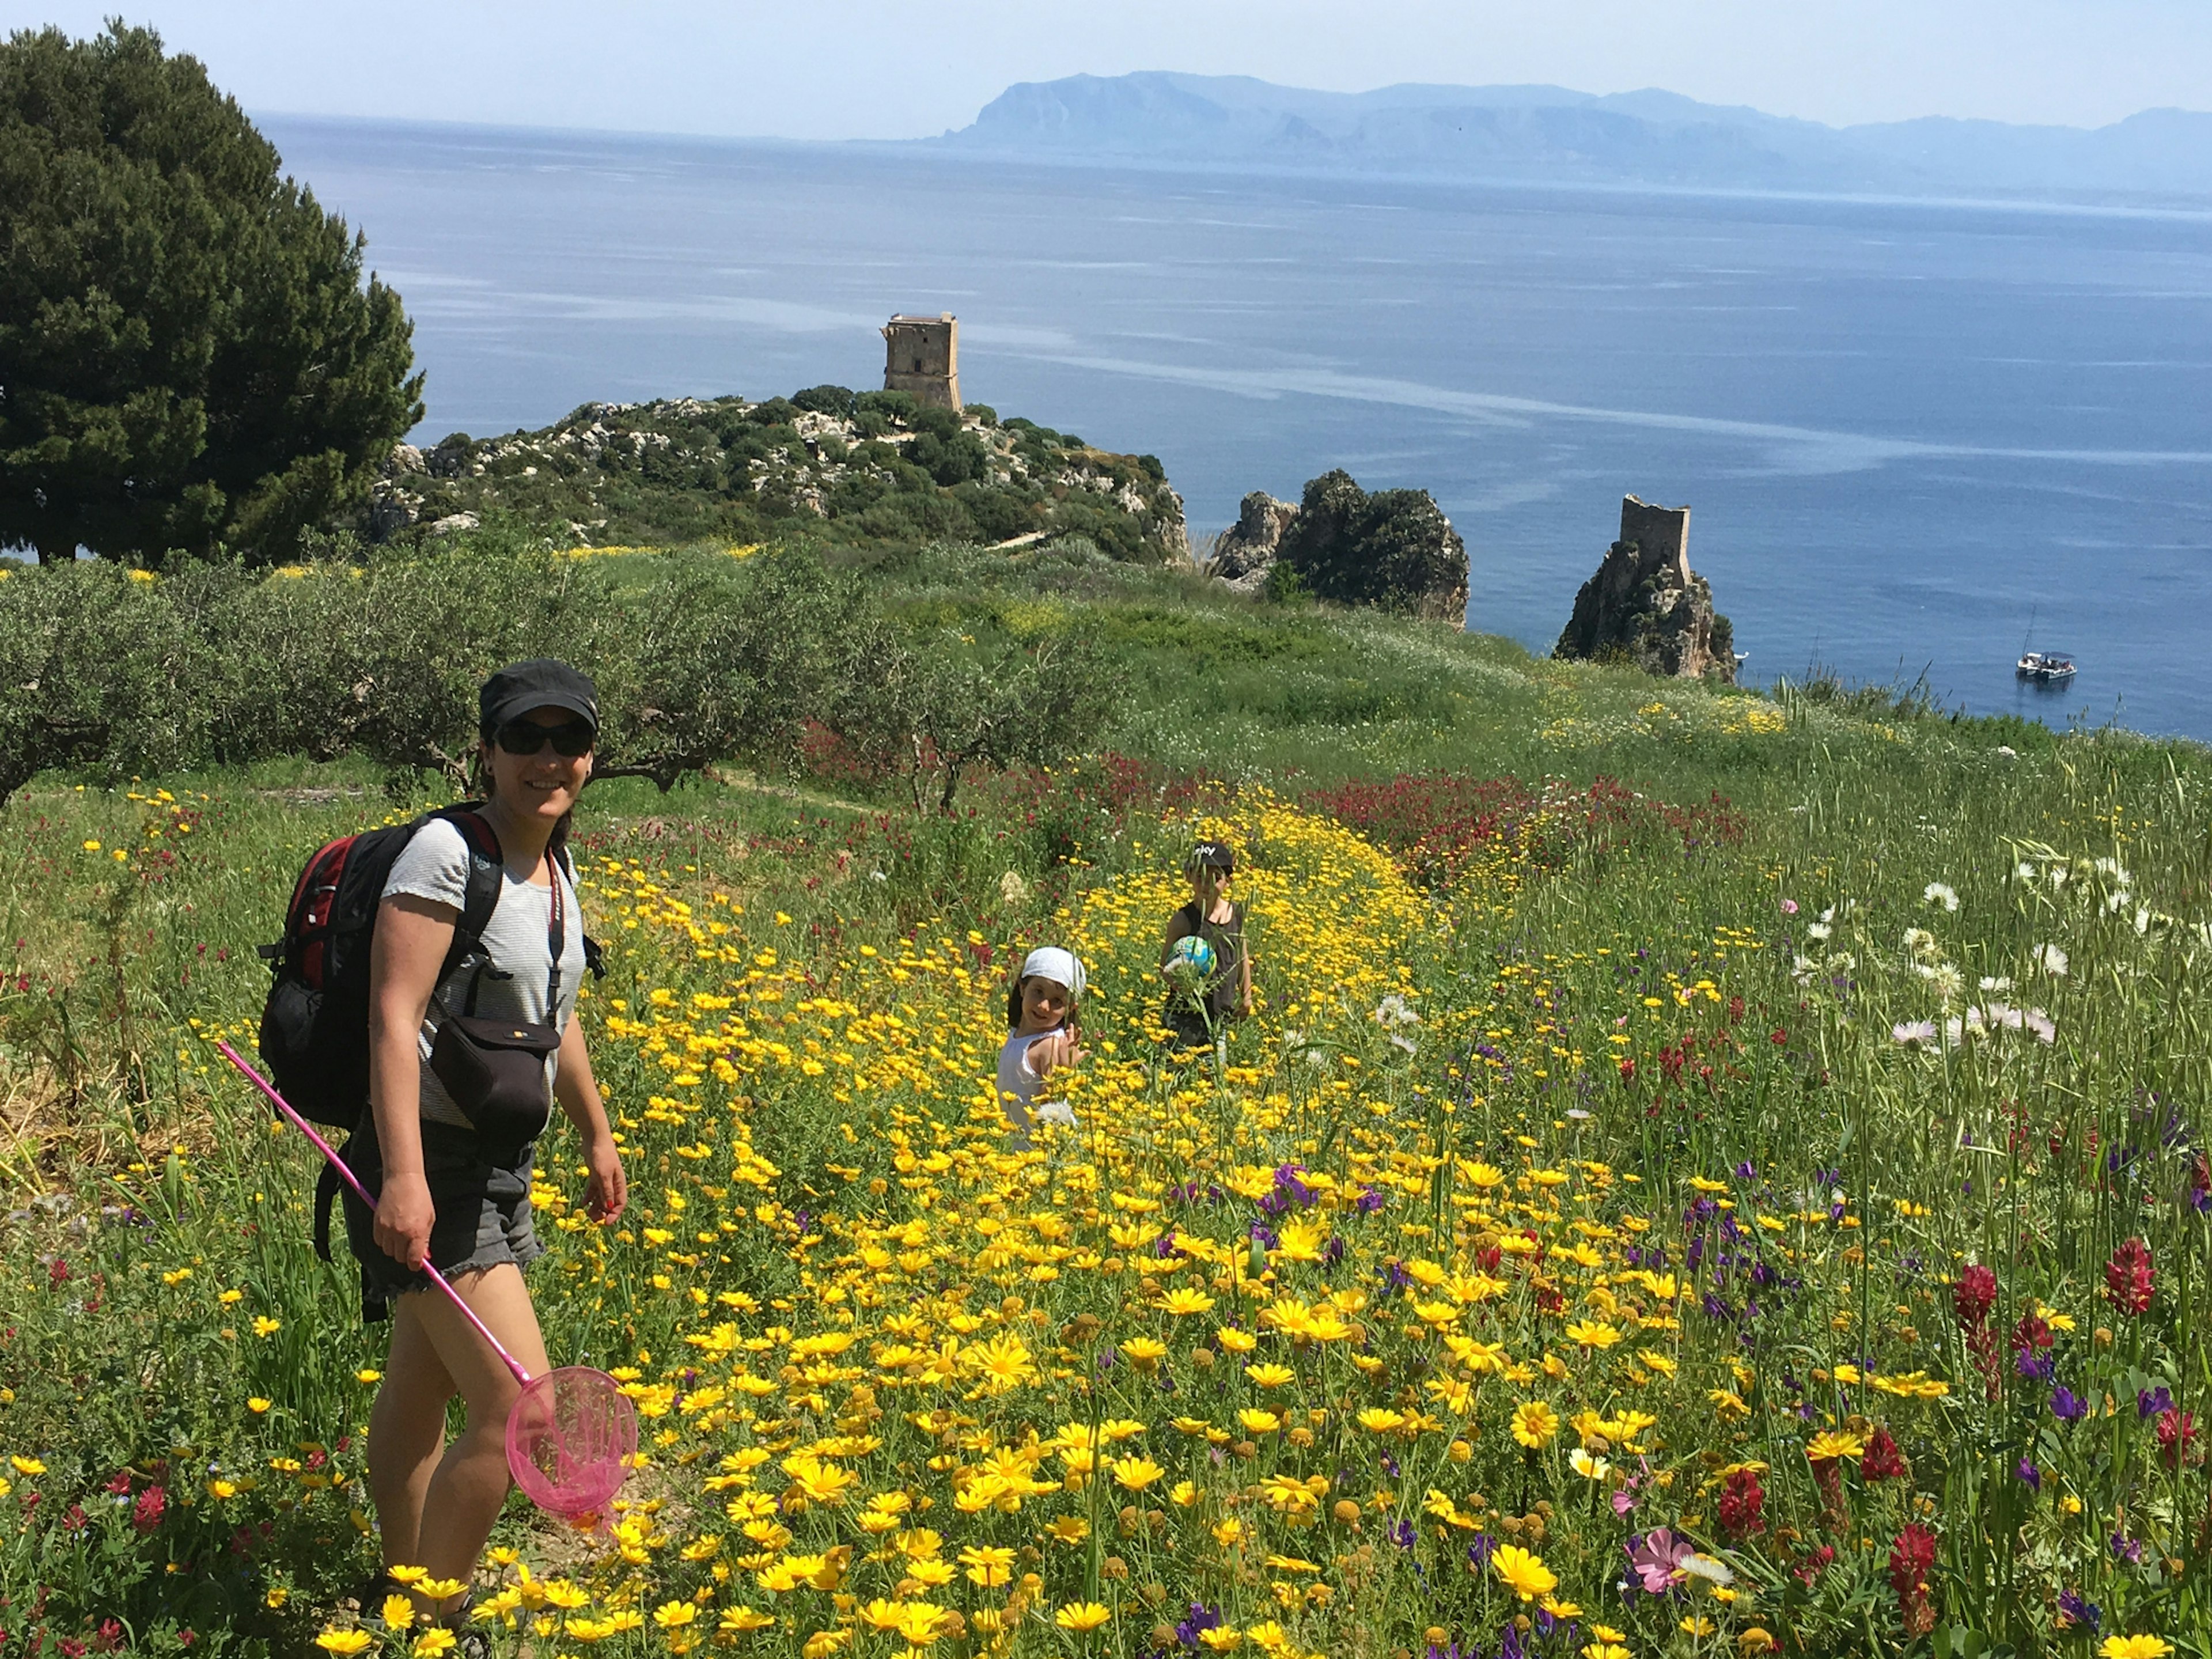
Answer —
314 1026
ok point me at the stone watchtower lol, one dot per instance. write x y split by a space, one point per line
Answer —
922 354
1646 607
1662 532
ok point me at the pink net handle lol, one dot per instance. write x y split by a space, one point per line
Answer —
362 1193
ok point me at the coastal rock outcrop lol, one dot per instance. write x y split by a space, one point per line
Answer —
1646 607
1246 552
864 468
1393 548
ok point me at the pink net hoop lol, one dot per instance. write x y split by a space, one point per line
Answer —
568 1439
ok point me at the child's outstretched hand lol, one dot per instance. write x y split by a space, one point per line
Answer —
1046 1055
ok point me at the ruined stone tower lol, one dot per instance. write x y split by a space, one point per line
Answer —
1646 607
1662 532
922 354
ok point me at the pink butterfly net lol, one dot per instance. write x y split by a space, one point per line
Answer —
573 1431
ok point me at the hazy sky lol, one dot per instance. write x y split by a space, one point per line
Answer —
836 68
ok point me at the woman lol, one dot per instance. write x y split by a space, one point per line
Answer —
453 1184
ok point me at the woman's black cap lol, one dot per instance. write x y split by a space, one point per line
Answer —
541 683
1214 854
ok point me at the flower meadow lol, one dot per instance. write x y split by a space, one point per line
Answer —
1624 1228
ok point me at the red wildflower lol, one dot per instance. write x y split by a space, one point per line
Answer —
2176 1429
2128 1280
146 1513
2031 1332
1881 1460
1972 1298
1742 1500
58 1272
1912 1558
1974 1295
1814 1563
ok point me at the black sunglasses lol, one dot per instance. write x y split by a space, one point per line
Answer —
528 737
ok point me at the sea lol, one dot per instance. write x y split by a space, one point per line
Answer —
1916 437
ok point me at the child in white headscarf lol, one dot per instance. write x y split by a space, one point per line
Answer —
1041 1012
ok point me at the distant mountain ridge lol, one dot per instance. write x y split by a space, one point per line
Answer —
1539 134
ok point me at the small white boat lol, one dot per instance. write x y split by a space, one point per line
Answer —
2049 667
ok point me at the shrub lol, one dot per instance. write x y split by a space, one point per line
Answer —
928 712
1394 549
99 671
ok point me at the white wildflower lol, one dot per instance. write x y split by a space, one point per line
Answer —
1393 1012
1012 889
1914 1030
1705 1566
2143 920
1938 892
2041 1023
1920 942
2050 959
1842 962
2024 871
2118 901
1948 980
1995 983
1818 930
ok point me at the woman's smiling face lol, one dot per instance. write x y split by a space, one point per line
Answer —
545 785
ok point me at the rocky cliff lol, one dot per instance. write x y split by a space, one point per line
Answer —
1646 607
1246 552
1393 548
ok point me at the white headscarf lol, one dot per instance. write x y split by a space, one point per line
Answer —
1061 967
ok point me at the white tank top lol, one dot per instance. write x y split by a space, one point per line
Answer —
1018 1087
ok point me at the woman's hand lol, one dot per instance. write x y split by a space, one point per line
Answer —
609 1188
404 1215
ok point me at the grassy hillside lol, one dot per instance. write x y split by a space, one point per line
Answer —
1748 1150
871 469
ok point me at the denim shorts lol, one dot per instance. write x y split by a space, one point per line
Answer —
482 1213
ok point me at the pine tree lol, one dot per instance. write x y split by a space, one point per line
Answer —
189 358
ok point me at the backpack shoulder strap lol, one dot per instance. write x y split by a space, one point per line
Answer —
487 867
487 873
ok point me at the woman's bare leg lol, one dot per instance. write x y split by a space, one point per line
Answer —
406 1432
462 1496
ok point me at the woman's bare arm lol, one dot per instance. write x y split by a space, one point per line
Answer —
578 1093
412 937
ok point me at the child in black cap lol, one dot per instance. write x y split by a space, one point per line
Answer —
1203 999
